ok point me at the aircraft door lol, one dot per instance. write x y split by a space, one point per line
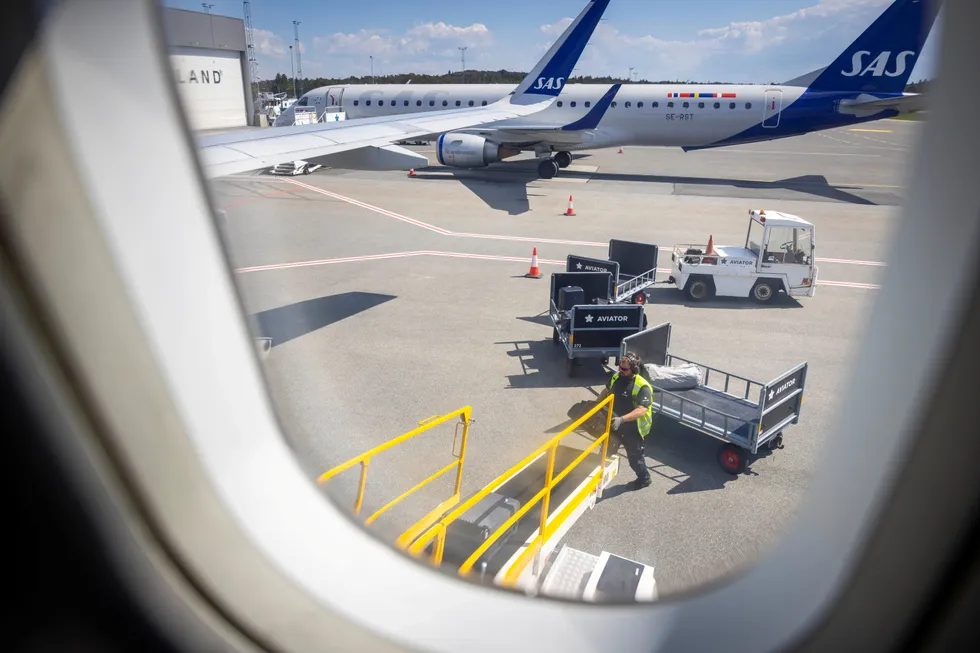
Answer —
774 106
335 96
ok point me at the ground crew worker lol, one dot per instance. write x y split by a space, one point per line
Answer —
632 417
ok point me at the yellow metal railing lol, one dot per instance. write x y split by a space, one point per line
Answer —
364 460
545 529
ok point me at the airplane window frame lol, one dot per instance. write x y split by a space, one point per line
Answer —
155 290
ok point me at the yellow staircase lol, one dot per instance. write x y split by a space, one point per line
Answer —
546 503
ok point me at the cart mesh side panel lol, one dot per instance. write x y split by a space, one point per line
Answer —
634 258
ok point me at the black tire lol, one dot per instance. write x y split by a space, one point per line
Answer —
764 290
639 298
563 159
547 169
732 459
776 442
698 289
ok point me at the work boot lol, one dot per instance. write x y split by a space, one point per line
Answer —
639 484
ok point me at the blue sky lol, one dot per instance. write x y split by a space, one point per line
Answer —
751 41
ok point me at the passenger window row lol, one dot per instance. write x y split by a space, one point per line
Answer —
418 103
560 103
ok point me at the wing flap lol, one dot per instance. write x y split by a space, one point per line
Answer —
906 103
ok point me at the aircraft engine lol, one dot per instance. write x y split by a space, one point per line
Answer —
459 150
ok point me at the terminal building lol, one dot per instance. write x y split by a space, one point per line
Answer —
209 58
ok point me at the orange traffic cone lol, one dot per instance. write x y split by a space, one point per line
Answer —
571 209
534 273
711 245
620 149
411 173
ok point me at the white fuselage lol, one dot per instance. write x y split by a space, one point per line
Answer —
639 114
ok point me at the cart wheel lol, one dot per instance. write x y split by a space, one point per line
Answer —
776 442
763 291
698 289
732 459
640 298
554 335
605 361
570 366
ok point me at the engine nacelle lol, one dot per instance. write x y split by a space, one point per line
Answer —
459 150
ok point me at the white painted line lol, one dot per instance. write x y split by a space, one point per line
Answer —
371 207
465 255
331 261
848 284
525 239
848 262
722 150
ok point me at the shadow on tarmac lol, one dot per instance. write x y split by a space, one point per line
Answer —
675 297
543 366
503 186
681 455
292 321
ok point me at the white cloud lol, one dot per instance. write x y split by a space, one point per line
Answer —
477 33
675 58
269 43
274 45
754 36
432 38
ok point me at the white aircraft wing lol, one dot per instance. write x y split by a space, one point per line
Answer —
374 138
226 154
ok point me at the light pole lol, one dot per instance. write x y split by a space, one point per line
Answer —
372 68
630 77
293 69
462 51
299 59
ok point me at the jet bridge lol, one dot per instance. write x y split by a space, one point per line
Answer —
506 534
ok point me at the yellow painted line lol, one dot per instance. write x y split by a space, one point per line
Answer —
873 131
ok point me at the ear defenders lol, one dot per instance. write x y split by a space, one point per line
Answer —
633 360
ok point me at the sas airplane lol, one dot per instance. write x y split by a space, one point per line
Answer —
370 143
866 82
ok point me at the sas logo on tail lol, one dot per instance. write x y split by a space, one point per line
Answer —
552 83
878 66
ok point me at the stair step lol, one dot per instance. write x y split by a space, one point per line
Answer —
569 573
579 575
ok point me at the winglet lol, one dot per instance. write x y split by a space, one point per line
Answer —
548 77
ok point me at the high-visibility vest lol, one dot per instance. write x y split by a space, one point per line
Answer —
645 422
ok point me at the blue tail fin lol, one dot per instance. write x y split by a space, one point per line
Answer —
882 58
548 77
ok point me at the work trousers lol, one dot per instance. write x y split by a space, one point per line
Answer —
629 435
